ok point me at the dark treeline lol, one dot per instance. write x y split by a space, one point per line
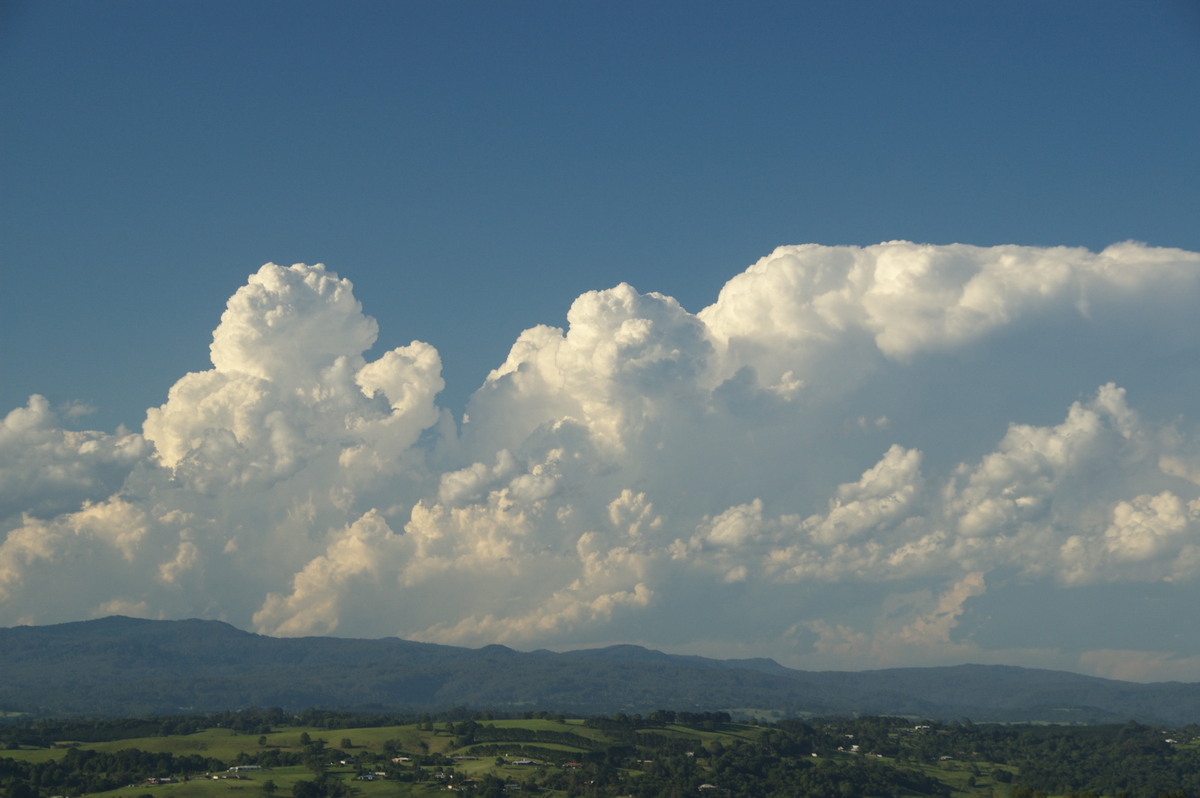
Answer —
81 771
1112 760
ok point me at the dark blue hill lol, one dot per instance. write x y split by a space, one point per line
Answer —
128 666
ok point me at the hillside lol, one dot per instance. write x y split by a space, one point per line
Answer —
127 666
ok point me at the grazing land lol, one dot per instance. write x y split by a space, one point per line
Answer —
271 754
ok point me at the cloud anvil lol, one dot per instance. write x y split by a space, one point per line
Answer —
855 457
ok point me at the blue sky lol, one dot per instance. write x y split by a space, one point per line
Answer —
473 167
720 433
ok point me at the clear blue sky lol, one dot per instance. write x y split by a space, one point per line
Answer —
965 448
473 167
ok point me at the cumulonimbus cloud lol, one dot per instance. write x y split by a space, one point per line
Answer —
835 464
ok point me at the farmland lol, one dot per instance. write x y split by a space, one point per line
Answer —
335 755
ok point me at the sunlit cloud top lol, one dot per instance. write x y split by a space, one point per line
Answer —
854 457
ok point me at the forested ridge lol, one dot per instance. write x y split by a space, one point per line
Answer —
137 667
322 754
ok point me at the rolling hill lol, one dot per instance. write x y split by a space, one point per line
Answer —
128 666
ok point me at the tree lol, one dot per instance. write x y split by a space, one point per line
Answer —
21 790
314 763
306 789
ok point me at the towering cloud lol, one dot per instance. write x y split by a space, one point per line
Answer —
289 386
855 457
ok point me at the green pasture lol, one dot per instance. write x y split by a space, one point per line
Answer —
223 744
531 747
958 774
966 779
26 754
545 724
730 732
251 785
371 739
226 744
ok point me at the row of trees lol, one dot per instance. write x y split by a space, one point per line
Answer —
85 771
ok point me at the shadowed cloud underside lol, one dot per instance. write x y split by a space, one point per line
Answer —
856 457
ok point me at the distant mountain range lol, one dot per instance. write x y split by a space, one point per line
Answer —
129 666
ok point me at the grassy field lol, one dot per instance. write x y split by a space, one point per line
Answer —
252 786
226 744
222 744
369 745
375 747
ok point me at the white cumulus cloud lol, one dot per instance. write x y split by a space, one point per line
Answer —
839 463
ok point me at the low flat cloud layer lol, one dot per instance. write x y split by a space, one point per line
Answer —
854 458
